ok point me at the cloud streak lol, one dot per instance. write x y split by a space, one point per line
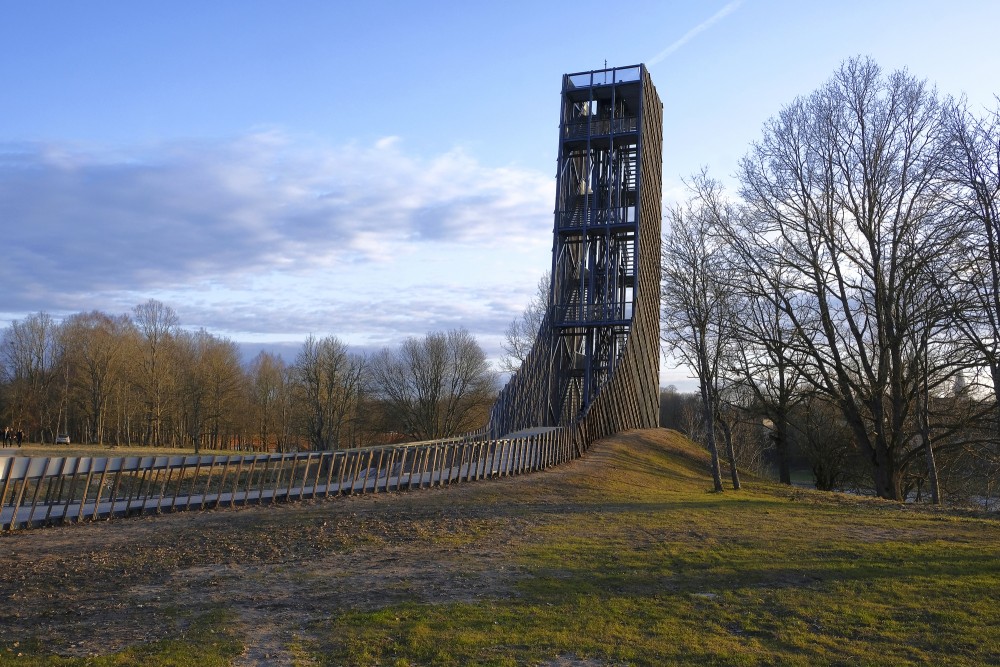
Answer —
695 31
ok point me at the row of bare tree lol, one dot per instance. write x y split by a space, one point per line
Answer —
856 275
141 379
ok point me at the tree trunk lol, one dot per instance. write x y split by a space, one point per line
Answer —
734 473
932 474
714 451
708 415
888 480
780 437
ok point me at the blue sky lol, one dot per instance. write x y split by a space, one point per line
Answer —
375 170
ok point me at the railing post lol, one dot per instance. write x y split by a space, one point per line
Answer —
236 482
329 473
402 468
291 476
138 489
17 501
435 462
368 471
305 475
414 468
482 451
67 463
277 482
340 473
249 484
263 479
167 472
7 468
208 482
100 487
222 480
193 485
427 463
449 461
390 462
467 450
91 465
319 471
38 487
181 467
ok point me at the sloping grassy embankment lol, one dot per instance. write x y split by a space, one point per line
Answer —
623 558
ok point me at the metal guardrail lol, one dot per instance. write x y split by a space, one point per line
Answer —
595 127
604 77
613 313
59 490
578 217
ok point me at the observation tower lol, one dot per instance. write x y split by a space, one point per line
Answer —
599 341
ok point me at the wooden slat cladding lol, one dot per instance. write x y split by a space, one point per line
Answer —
629 397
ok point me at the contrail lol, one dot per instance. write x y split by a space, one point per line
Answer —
693 32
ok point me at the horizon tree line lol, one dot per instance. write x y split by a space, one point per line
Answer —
142 380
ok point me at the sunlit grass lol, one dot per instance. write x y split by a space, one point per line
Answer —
207 642
648 567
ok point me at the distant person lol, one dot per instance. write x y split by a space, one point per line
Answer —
20 436
6 436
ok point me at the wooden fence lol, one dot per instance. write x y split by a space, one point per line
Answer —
56 490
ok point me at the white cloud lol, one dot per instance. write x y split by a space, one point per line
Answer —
387 142
266 234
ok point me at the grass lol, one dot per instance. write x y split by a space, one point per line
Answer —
206 642
649 568
624 558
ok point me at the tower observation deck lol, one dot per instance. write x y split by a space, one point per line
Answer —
596 356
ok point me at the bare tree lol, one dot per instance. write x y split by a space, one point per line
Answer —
268 389
30 363
190 350
743 430
157 324
973 168
823 437
209 380
519 337
437 387
225 379
672 407
126 402
331 381
95 344
764 361
696 304
846 192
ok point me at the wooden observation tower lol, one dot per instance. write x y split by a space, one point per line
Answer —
596 356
